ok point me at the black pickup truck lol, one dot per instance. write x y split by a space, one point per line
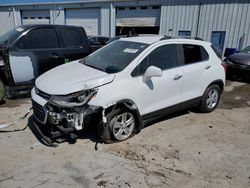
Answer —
30 50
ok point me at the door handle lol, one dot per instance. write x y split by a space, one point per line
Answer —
54 56
208 67
177 77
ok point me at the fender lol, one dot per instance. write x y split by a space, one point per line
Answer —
129 104
220 83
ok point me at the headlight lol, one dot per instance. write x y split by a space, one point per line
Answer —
74 99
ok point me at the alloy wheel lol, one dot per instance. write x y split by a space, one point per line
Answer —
212 98
123 125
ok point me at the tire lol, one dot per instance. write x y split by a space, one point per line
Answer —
210 99
2 90
116 130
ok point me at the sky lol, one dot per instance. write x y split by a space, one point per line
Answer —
2 2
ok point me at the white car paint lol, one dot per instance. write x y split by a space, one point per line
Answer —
70 78
158 93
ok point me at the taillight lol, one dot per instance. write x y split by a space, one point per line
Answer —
224 66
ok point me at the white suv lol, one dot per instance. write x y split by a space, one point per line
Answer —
127 83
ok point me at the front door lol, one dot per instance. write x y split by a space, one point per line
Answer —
35 53
159 92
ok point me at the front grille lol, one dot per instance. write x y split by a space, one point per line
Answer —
42 94
39 112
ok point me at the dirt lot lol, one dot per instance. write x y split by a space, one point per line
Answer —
187 149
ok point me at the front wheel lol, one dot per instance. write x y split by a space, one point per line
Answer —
121 125
210 99
2 90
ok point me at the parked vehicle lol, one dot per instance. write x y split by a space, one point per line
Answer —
30 50
97 42
113 39
239 64
127 83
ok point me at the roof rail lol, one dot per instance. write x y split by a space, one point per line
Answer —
180 37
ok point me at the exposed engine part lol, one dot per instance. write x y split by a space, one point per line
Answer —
72 119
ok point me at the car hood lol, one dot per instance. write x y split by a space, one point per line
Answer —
242 58
70 78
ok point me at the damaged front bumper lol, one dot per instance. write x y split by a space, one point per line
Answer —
54 121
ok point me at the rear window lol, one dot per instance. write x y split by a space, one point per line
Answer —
72 38
39 39
194 53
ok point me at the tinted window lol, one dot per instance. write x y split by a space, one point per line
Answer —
92 39
39 39
72 38
103 39
10 36
194 53
164 57
114 57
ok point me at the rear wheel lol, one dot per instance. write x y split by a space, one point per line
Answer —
2 90
210 99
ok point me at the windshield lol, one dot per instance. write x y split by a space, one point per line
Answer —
114 57
10 36
246 50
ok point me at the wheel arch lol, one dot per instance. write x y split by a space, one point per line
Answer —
130 105
220 83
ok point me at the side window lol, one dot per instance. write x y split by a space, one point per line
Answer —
103 39
163 57
194 53
72 38
39 39
92 40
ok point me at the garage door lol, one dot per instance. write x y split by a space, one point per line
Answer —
35 17
88 18
138 16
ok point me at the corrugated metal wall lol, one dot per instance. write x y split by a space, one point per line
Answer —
6 20
201 17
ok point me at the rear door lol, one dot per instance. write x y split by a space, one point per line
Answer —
196 63
35 53
75 43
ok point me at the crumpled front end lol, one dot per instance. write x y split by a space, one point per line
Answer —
60 116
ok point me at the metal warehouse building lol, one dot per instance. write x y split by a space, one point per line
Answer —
226 23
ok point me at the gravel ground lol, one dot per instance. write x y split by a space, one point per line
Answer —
186 149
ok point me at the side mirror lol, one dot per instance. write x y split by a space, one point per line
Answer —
151 71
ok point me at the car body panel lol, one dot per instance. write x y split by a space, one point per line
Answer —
239 64
182 84
70 78
242 58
